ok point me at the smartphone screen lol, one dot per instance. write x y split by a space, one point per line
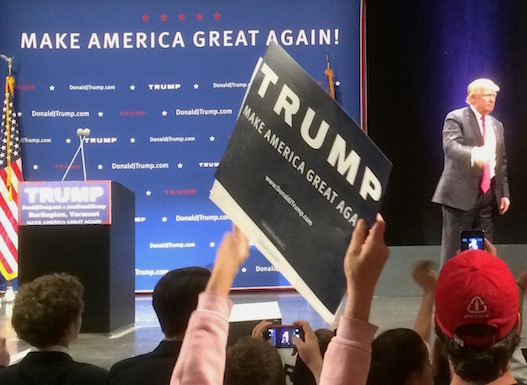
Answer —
282 336
472 240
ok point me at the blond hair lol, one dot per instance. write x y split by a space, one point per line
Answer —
478 86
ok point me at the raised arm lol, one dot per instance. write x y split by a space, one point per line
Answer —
347 360
202 357
363 263
426 277
233 251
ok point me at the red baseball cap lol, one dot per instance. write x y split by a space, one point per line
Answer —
475 287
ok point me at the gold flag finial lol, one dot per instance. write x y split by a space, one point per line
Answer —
9 61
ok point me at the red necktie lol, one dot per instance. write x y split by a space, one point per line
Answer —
485 178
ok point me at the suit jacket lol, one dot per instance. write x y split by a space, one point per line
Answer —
154 368
458 186
52 368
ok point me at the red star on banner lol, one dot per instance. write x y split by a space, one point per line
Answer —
217 16
163 17
145 17
199 16
181 17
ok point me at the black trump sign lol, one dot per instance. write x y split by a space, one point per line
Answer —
297 175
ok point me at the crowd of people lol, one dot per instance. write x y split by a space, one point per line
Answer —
473 304
477 324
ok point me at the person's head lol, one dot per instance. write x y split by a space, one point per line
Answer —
251 361
303 375
476 316
399 357
175 297
481 94
47 311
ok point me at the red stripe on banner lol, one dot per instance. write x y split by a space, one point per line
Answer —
363 93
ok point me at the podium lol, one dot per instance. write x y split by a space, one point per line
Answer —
86 229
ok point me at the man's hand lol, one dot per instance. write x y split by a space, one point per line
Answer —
504 205
481 155
489 247
425 276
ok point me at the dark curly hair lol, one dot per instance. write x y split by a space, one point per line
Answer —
252 361
46 307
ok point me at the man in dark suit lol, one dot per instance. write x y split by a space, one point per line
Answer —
473 187
47 314
174 299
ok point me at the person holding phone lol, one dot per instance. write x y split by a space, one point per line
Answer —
473 187
348 357
472 240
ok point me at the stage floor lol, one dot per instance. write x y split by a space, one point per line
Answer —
104 350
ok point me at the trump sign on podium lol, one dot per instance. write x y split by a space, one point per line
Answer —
65 203
297 175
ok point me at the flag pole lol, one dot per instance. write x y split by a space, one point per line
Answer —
329 74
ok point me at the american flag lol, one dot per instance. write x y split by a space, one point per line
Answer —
11 176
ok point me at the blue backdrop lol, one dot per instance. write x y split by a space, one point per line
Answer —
159 85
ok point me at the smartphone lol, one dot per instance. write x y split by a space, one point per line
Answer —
472 239
282 335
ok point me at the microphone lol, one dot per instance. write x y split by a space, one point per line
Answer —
82 133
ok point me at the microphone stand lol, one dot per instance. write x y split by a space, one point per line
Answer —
82 134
